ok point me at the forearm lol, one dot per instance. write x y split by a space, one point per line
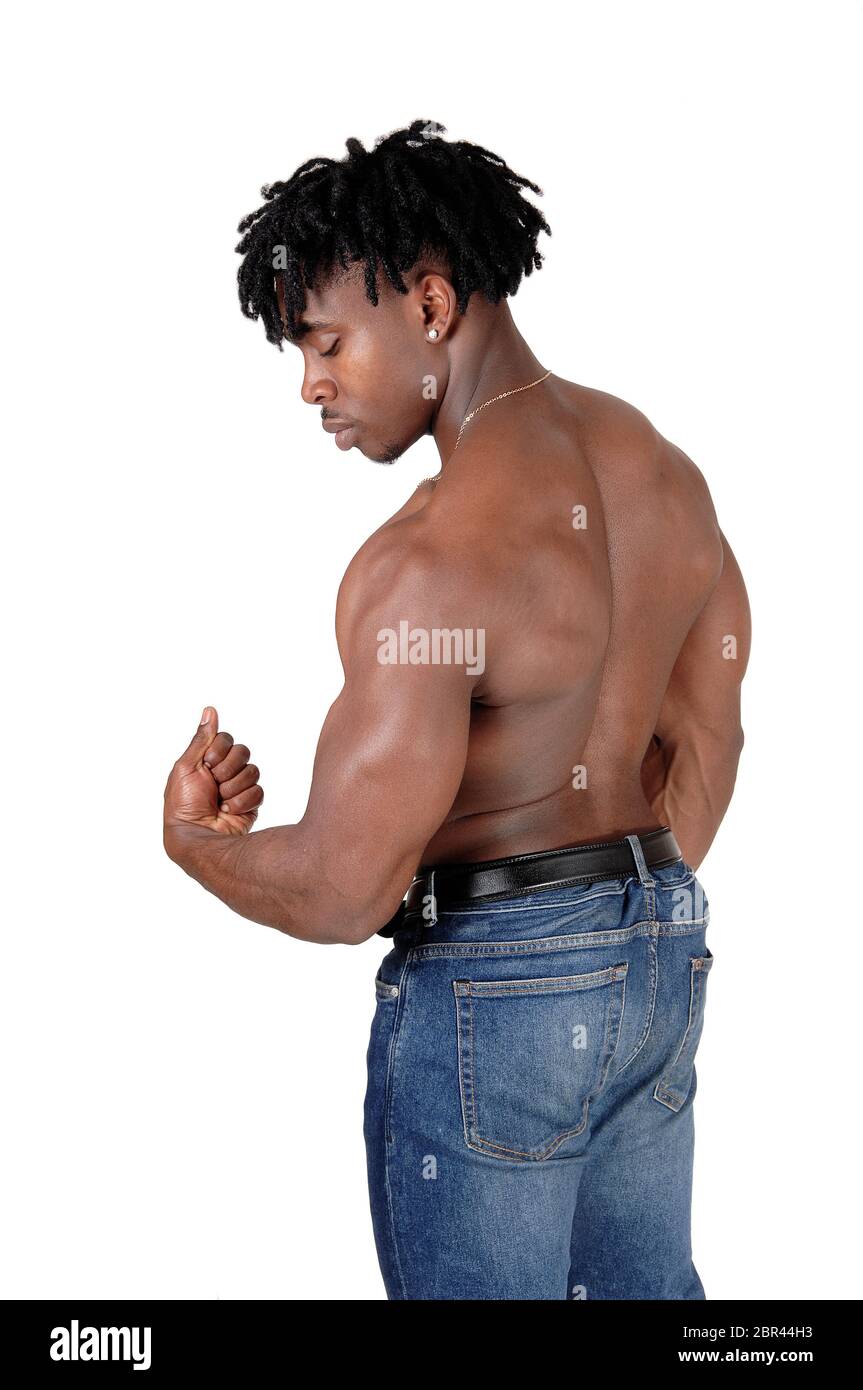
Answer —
698 788
267 876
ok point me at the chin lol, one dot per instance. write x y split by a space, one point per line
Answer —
388 454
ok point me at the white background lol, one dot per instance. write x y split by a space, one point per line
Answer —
181 1089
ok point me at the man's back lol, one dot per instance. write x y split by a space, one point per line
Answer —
587 547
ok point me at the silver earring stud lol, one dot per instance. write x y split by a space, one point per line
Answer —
432 332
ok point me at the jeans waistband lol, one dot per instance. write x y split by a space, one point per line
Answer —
436 886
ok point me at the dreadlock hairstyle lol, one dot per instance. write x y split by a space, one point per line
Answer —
412 194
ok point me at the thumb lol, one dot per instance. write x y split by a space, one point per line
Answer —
204 735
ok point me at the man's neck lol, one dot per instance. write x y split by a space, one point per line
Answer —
488 355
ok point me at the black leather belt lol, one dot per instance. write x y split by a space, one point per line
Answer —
436 886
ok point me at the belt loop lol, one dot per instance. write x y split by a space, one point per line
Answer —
429 903
641 866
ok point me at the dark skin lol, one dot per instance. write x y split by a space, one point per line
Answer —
609 698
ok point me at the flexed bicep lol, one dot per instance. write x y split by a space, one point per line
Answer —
393 748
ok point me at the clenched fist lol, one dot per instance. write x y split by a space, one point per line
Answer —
213 784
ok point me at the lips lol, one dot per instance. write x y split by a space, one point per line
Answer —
344 431
346 437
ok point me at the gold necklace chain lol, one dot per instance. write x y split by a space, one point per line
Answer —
513 392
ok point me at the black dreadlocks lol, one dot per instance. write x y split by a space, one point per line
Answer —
412 194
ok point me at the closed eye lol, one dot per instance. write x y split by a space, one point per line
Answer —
330 351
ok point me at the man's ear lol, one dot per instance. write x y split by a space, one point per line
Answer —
436 301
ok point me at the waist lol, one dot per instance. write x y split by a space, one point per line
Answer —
438 886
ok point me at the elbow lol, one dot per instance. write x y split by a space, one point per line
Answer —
343 928
362 923
343 936
345 932
358 894
325 926
347 902
341 921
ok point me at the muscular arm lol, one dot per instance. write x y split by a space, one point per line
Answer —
691 767
387 769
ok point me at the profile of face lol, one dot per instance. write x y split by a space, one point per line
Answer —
372 370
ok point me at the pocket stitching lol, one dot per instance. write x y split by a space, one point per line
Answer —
384 990
554 984
699 967
464 1004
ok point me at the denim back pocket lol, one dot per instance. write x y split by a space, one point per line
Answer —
532 1054
674 1085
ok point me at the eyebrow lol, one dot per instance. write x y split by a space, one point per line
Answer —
309 326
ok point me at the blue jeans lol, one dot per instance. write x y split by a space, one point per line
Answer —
528 1116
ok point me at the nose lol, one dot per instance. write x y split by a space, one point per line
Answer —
317 390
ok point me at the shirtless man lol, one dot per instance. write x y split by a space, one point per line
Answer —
536 742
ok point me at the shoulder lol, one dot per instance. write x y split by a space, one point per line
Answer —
615 424
414 569
624 435
620 430
660 482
